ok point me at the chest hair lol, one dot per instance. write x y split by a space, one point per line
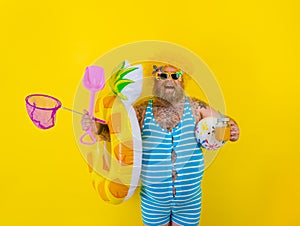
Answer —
168 116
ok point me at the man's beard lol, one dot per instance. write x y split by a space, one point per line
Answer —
171 97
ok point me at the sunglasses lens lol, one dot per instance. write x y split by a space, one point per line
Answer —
175 76
163 76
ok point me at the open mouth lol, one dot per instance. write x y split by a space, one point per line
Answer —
169 87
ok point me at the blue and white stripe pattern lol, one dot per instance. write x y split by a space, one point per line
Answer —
159 204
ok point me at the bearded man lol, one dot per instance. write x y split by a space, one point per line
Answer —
172 162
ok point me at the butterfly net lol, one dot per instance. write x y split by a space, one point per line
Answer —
42 110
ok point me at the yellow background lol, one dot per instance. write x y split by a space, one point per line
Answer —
253 49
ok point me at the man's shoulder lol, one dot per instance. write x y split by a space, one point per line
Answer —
197 107
140 110
196 103
141 104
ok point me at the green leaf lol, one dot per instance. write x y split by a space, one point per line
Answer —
116 71
121 68
125 72
117 82
122 65
123 97
121 84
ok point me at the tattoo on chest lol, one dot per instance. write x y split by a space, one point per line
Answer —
168 117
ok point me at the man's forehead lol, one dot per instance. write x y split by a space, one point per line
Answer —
169 68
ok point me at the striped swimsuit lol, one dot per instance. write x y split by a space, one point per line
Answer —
172 169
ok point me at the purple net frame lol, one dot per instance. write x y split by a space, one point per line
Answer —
42 117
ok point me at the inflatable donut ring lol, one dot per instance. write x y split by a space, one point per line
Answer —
118 160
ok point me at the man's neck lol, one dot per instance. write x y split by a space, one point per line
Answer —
164 103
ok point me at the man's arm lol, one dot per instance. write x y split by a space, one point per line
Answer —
140 110
202 110
100 130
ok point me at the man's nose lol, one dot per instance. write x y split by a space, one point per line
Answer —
169 78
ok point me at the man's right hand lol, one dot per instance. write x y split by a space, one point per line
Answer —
88 122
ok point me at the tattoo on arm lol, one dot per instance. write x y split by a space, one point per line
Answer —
201 104
197 105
